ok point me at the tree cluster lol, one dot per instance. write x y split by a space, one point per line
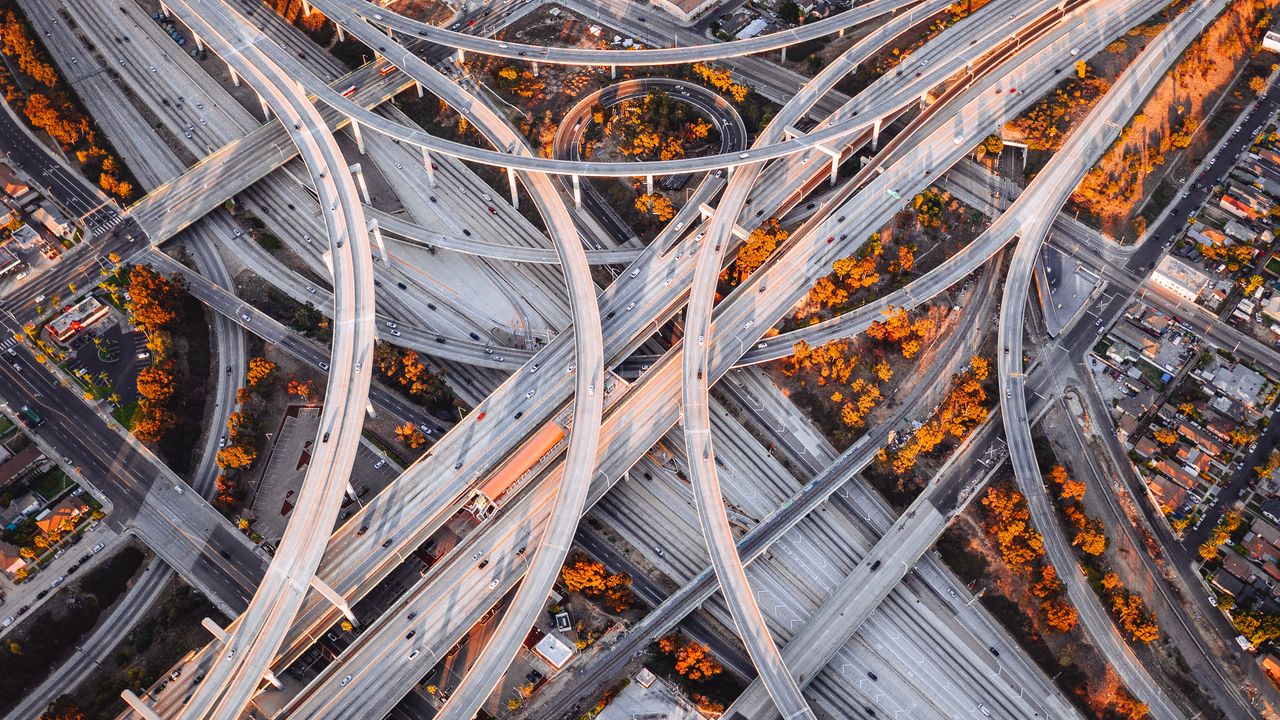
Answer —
51 108
404 368
963 409
589 577
692 658
153 308
759 245
721 79
1091 535
410 435
657 205
899 329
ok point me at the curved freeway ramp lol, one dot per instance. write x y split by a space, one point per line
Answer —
252 643
1067 167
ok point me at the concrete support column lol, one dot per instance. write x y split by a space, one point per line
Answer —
136 704
306 9
165 9
266 109
391 33
835 166
841 33
784 54
271 678
358 174
199 42
376 232
924 100
515 196
648 183
460 57
613 72
215 630
338 601
418 85
342 34
327 257
577 192
355 130
431 171
875 134
235 78
535 69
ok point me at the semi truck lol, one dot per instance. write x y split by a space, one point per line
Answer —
488 496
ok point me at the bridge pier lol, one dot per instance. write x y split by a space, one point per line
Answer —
648 181
426 163
199 42
835 159
332 596
784 54
306 9
327 257
165 9
613 72
515 197
924 100
266 109
355 130
358 174
875 134
235 77
342 34
136 704
376 232
577 192
418 85
462 56
535 68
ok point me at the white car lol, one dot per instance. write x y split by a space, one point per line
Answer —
493 583
7 621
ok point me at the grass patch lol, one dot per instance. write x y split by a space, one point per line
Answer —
52 484
125 414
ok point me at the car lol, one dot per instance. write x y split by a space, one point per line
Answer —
531 393
379 464
363 529
872 675
534 368
493 583
411 634
994 651
174 675
98 548
84 558
631 306
483 564
345 680
386 543
323 365
225 555
311 290
392 325
1253 447
222 442
1213 600
8 621
659 552
395 333
41 595
1075 51
60 553
58 581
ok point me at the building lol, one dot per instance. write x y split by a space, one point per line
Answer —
1271 41
650 698
554 650
1240 231
9 261
1240 384
751 29
68 511
10 561
1180 278
1206 235
686 11
25 237
53 220
76 319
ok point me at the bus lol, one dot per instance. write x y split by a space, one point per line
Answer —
387 70
485 500
349 91
31 417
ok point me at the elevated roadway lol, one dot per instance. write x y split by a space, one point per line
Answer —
1064 171
518 510
256 636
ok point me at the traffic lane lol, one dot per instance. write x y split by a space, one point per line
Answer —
1203 186
127 478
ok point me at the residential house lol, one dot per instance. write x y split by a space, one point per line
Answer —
10 561
69 510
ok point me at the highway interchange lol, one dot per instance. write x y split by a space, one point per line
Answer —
566 374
